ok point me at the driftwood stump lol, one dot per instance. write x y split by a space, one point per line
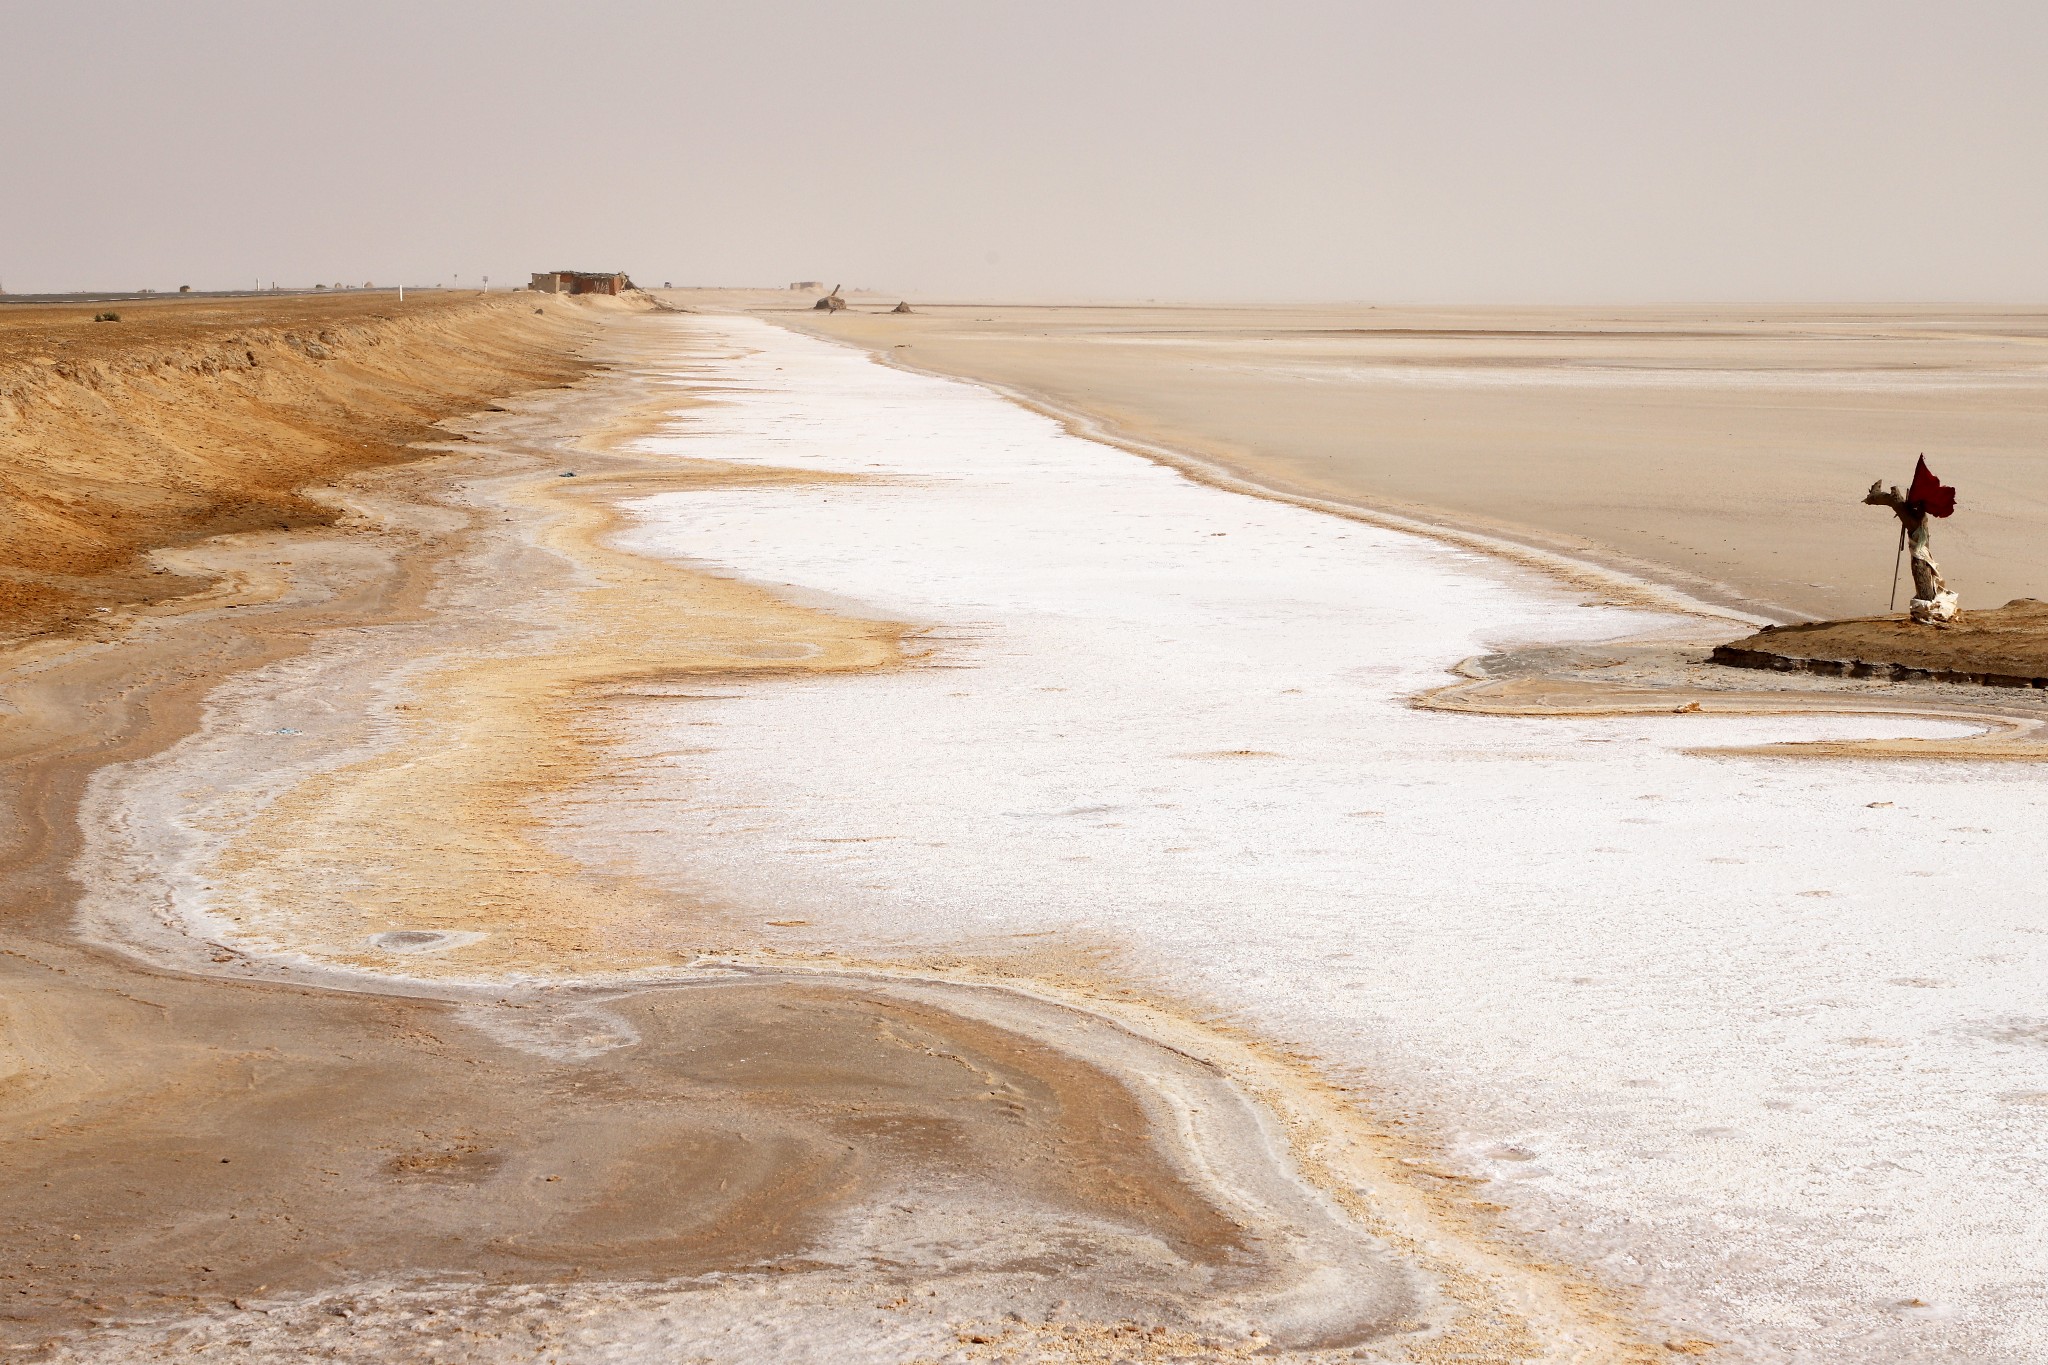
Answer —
1932 601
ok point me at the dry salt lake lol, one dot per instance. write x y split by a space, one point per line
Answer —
1764 1037
1762 1040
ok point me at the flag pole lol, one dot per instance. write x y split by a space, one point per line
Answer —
1895 567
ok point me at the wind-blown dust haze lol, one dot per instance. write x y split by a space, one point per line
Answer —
1449 152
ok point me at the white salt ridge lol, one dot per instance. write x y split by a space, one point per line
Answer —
1714 1025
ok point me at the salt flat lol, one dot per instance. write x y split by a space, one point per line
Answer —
1761 1036
453 1090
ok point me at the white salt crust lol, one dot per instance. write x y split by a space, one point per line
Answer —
1718 1027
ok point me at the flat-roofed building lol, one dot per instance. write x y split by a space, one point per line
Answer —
581 282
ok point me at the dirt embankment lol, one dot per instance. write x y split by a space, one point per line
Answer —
2004 647
185 420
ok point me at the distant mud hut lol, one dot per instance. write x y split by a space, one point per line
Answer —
581 282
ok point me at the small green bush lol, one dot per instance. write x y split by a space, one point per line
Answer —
106 317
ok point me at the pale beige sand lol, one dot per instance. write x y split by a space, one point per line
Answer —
1721 449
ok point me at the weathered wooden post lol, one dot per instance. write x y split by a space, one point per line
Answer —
1928 498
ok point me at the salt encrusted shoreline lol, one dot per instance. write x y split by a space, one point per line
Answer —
237 917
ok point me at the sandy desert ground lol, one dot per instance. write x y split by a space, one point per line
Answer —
758 854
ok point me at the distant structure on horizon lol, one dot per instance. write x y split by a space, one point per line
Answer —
808 285
581 282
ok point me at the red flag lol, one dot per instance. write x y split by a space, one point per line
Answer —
1934 497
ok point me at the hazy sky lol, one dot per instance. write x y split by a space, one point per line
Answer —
1419 150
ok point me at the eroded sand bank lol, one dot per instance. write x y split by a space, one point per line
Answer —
187 419
360 1058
